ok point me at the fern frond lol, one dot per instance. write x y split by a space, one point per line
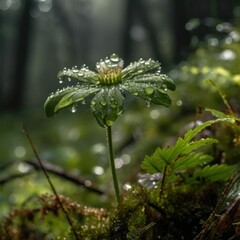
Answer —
185 155
192 160
214 173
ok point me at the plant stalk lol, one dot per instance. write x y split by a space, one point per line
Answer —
111 161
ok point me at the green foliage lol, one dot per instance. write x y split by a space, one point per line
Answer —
184 156
141 78
216 59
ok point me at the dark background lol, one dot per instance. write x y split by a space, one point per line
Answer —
40 37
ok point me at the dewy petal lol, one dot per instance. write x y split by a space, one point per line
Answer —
149 92
140 67
160 80
66 97
82 75
107 105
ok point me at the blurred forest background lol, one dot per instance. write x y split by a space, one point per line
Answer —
38 38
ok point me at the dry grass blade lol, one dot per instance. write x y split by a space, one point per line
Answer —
49 181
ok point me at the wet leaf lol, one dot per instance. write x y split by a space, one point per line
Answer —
83 75
159 80
140 67
107 105
214 173
65 98
148 92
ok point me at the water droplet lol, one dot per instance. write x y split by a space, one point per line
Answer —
149 90
98 66
103 102
164 86
114 58
60 80
83 102
75 71
148 103
69 79
73 108
93 102
80 74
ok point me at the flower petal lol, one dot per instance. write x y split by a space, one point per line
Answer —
149 92
159 80
140 67
107 105
66 97
82 75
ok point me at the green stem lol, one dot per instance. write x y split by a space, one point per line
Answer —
111 161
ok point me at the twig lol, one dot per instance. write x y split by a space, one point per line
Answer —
13 177
62 173
51 168
49 181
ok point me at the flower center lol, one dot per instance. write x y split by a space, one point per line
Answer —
110 70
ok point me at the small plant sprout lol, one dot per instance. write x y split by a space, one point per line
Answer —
107 86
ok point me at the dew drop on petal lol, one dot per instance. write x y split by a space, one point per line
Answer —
149 90
93 102
164 87
73 108
103 102
114 58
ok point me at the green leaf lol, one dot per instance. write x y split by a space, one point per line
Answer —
148 92
156 162
65 98
190 161
139 68
214 173
193 132
107 105
221 115
82 75
54 99
182 155
199 143
160 80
